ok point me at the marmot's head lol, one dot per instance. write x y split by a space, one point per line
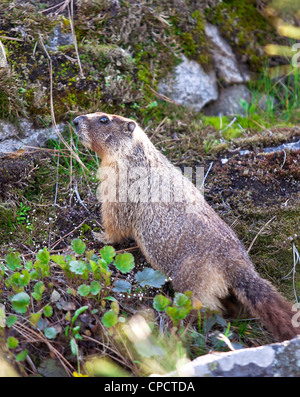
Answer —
106 134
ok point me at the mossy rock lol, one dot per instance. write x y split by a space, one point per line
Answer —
247 31
109 79
125 49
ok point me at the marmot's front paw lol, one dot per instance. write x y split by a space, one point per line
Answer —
102 238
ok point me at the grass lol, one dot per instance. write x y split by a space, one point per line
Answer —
281 95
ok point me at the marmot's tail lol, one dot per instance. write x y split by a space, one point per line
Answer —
263 301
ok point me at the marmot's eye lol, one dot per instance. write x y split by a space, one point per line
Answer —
104 119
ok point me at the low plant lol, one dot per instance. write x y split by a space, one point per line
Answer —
22 216
30 291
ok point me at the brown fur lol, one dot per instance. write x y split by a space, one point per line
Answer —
197 250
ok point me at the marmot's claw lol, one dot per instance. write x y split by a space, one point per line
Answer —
101 237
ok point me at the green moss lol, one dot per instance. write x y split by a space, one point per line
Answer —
7 223
189 31
4 105
232 133
105 55
244 27
238 128
216 121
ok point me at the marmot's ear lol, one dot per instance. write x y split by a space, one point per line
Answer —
129 127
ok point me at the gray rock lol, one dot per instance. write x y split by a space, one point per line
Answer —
224 60
189 85
13 138
275 360
3 60
59 39
230 101
284 146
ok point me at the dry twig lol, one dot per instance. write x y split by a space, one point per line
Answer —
70 12
34 336
66 235
264 226
52 107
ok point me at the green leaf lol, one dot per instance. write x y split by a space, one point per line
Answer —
151 277
22 355
34 275
36 296
39 288
42 269
78 267
110 298
122 286
28 265
50 333
12 342
19 279
78 312
13 261
182 312
176 313
189 294
34 318
109 319
84 290
160 303
78 246
244 104
172 312
95 287
71 291
108 253
59 259
152 105
103 266
94 266
89 254
11 320
48 311
115 307
43 256
24 278
76 329
20 302
180 299
124 262
74 346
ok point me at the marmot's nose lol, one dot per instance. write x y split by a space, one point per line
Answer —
77 121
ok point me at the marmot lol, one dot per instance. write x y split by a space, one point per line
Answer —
184 238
